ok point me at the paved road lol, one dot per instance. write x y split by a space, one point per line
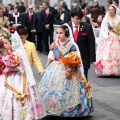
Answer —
106 96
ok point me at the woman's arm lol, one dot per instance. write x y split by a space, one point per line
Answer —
51 57
48 62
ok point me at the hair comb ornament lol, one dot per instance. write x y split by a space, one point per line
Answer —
66 29
3 32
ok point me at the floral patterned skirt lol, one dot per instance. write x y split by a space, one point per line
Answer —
10 108
109 63
61 96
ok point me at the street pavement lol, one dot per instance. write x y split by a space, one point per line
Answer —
105 94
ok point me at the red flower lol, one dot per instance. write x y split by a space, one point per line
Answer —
83 34
2 66
12 29
8 16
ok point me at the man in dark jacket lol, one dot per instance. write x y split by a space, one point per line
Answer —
28 23
84 37
47 19
37 27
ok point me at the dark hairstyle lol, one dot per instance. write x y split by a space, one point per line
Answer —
116 1
17 3
22 3
8 37
22 30
77 12
103 9
65 28
84 5
46 3
65 6
110 1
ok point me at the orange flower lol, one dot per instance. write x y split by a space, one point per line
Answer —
71 60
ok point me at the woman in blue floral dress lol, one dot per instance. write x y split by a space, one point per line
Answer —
64 96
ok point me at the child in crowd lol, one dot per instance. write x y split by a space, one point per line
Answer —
19 99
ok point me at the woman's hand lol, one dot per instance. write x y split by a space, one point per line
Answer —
41 73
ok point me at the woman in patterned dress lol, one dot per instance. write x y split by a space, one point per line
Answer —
19 97
107 56
64 96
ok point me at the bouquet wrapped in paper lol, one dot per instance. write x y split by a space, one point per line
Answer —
12 60
2 66
118 31
70 61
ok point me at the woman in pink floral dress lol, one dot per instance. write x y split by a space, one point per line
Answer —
108 51
19 99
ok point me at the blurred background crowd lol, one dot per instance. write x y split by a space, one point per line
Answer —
35 17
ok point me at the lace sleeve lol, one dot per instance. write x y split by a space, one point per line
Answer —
51 55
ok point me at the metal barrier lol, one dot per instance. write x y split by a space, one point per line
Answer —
96 32
55 27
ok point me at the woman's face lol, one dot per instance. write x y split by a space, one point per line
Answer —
7 44
1 13
60 34
111 11
15 10
99 18
8 7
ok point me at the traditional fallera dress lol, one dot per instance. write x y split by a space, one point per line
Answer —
18 100
63 96
108 52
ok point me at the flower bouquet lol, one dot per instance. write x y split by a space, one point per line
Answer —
118 32
70 61
12 60
2 66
